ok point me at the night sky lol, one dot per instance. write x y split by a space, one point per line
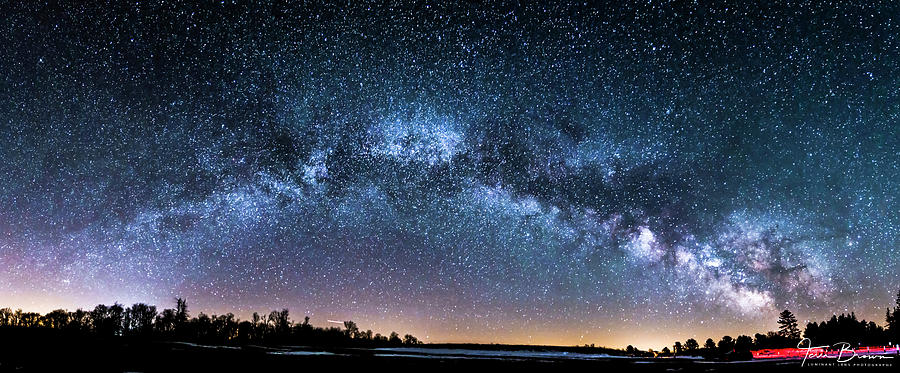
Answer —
623 174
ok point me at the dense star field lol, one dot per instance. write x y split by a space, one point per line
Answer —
568 174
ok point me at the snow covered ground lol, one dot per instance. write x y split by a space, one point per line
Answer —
444 353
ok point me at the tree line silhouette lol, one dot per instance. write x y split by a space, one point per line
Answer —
142 321
839 328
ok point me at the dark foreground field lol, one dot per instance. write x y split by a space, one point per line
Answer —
115 356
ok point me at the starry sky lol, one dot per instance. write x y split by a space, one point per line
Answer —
477 172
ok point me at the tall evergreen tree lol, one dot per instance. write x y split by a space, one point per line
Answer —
787 326
892 319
